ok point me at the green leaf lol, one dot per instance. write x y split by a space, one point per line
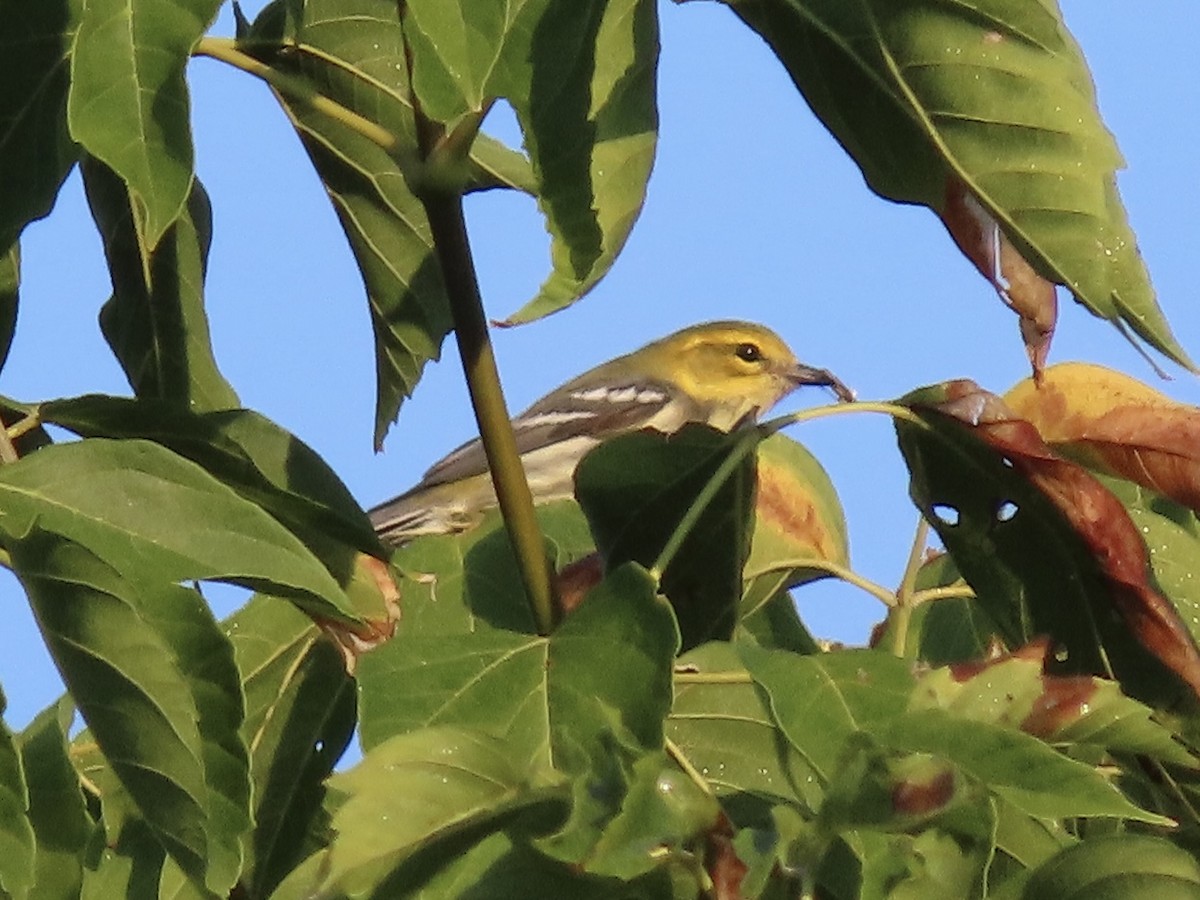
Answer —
412 790
128 865
110 496
931 865
645 492
460 52
36 152
17 841
156 683
56 807
890 790
941 823
155 321
300 713
470 582
585 97
818 701
553 698
663 809
582 81
1029 841
502 867
599 725
995 96
798 520
721 722
529 689
1018 768
246 451
1170 532
1117 867
493 681
128 103
771 620
1014 691
10 283
352 52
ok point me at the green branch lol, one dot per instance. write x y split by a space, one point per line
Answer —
748 442
453 251
957 591
895 410
298 89
441 194
840 572
901 614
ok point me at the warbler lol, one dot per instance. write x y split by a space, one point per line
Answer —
720 373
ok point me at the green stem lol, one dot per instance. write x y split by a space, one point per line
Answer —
681 760
8 453
840 572
901 614
444 209
23 427
713 678
949 592
226 51
453 249
748 440
843 409
916 556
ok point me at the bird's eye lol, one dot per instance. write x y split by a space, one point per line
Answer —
748 352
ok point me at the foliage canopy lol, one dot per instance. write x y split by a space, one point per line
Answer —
655 720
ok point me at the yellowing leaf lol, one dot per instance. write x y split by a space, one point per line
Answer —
797 515
1117 424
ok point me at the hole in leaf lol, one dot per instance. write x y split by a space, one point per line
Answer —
945 513
1006 511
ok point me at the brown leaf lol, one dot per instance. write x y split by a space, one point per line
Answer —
1096 515
1118 425
1063 700
1035 650
371 579
922 797
1027 293
724 866
574 580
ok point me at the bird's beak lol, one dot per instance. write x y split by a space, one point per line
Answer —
799 374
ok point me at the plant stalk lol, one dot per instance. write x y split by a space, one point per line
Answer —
453 249
901 613
226 51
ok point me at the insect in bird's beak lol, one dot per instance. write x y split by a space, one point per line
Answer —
802 374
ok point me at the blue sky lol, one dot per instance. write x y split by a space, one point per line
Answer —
753 212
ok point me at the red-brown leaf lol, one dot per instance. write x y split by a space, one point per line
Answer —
1097 517
1022 289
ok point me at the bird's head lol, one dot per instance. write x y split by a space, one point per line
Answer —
734 369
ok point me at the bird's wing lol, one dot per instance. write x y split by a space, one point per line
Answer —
594 410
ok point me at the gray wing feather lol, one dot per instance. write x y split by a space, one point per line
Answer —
600 411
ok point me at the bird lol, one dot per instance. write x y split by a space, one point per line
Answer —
724 374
